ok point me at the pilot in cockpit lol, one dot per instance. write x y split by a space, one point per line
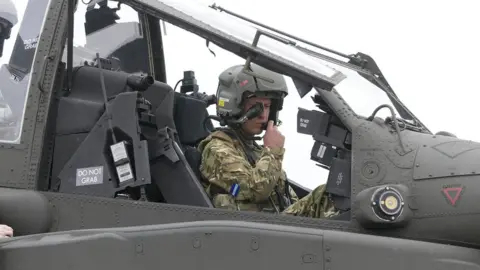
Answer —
5 231
239 173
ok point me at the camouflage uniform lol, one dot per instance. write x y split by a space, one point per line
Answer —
225 163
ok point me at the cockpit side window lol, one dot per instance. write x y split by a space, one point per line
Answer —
111 30
16 64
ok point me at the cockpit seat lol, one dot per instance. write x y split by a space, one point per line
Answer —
175 171
189 115
82 143
84 103
81 146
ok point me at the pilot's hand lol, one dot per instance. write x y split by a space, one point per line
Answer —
5 231
273 137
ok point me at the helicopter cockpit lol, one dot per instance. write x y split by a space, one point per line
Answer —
183 129
134 136
180 161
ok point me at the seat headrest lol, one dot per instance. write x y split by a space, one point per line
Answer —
189 115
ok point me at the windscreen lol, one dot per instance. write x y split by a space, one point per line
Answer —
16 63
244 32
363 96
350 88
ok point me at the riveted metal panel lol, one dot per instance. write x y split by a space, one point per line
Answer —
446 156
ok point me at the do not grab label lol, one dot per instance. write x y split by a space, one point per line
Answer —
89 176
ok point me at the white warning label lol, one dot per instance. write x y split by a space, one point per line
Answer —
119 151
89 176
124 172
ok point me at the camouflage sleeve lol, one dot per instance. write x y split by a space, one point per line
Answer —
224 166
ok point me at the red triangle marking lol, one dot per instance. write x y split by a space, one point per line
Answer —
457 191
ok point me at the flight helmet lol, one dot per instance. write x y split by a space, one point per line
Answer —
236 85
